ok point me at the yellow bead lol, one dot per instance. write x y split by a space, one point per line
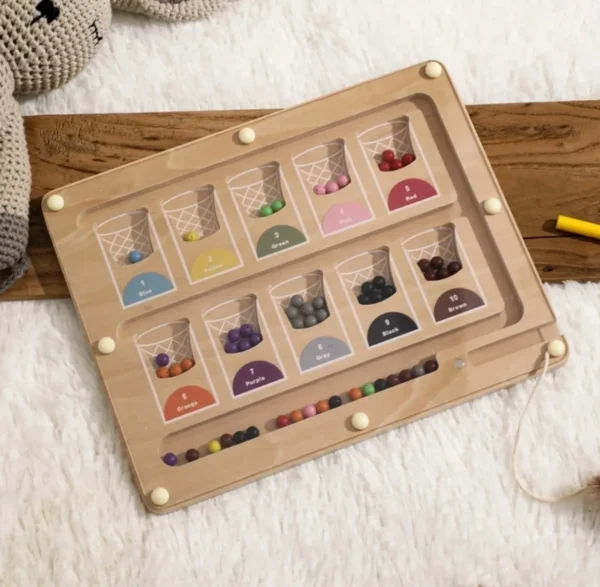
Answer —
214 446
191 236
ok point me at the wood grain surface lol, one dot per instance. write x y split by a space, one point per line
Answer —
546 157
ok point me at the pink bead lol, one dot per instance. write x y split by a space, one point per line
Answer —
331 187
319 190
309 411
343 181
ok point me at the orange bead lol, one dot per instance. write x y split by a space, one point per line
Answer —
296 416
322 406
162 372
355 393
187 364
175 369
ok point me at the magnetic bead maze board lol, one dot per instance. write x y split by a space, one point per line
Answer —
265 295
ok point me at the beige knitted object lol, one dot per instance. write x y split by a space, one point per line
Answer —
43 44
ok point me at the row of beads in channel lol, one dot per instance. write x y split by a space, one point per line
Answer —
359 421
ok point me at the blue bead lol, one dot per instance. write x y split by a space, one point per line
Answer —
135 257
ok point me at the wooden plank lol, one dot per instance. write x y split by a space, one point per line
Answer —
546 157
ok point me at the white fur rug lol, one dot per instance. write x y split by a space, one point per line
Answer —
433 503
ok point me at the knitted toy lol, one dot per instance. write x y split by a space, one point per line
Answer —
43 44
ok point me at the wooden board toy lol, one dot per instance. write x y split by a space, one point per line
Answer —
262 296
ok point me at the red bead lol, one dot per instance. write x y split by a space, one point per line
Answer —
408 158
388 156
396 164
384 166
283 421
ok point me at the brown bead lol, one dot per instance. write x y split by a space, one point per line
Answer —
355 393
175 369
454 267
430 366
430 275
187 364
226 440
322 406
405 375
162 372
192 455
393 380
436 263
296 416
423 264
442 273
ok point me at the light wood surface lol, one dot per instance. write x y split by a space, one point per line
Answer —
545 155
185 296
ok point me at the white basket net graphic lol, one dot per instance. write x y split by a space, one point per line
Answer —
376 263
309 287
134 237
200 217
443 246
393 136
220 327
325 169
257 193
177 346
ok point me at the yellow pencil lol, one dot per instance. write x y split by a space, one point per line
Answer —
578 226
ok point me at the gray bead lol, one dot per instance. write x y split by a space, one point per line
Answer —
321 315
298 322
307 309
292 312
418 371
318 303
310 321
297 301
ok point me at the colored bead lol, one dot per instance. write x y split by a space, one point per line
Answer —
367 287
277 205
405 375
214 446
55 203
307 309
175 370
244 345
407 159
310 321
380 384
343 181
557 348
376 296
355 393
396 164
297 301
335 401
442 273
292 312
135 256
454 267
255 339
430 366
298 322
186 364
246 330
265 211
239 437
331 187
106 345
318 302
492 206
423 264
231 347
170 459
226 440
418 371
320 190
309 411
321 315
392 380
246 135
388 156
360 421
384 166
378 282
433 70
436 263
162 359
388 291
322 406
159 496
296 416
162 372
191 236
252 432
234 335
283 421
192 455
364 299
430 275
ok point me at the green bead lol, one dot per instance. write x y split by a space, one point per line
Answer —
266 211
277 205
368 389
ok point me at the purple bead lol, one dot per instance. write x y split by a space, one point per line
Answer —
170 459
231 347
244 345
162 359
234 335
246 330
255 338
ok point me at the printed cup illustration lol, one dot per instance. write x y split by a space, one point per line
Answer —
329 182
203 241
134 258
378 301
271 220
310 321
245 351
443 273
397 166
175 369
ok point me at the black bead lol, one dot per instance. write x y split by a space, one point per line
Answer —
335 401
388 291
239 437
363 300
379 282
380 384
252 432
377 296
367 287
